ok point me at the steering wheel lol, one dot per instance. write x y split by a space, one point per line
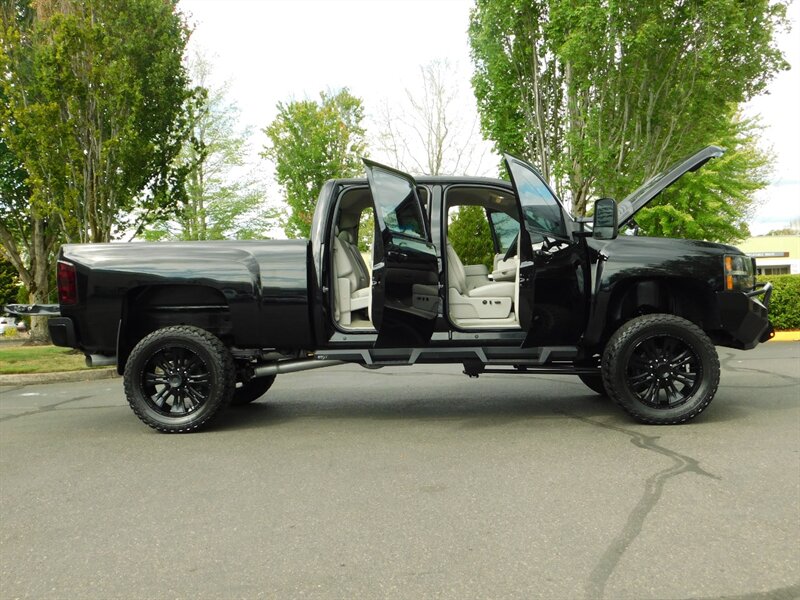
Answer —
512 248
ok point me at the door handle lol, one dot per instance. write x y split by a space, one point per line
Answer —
394 254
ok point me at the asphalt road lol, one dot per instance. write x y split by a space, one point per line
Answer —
407 483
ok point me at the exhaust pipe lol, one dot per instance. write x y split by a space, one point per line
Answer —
100 360
292 366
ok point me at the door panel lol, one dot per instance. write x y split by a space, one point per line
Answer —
405 272
527 266
557 303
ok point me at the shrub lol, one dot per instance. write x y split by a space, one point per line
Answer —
784 308
469 233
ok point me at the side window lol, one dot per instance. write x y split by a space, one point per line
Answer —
398 206
540 208
505 228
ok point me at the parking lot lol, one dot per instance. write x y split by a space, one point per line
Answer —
407 483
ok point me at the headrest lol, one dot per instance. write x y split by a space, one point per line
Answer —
347 236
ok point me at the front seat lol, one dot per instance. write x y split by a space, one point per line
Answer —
352 280
487 301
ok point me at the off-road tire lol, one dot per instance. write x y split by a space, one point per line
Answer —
252 390
661 352
180 364
594 383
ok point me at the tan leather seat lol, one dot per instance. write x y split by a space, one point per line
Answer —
492 300
352 287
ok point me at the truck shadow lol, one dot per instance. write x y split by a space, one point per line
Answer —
445 395
468 413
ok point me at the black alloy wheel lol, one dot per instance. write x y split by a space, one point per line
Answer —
178 378
662 369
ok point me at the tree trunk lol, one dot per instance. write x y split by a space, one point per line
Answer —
39 331
40 271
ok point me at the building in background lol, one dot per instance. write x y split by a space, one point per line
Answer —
774 254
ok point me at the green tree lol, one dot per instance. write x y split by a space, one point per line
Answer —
602 95
9 283
91 104
715 202
311 142
469 233
222 199
94 109
29 230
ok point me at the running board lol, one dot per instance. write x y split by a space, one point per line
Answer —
478 369
486 356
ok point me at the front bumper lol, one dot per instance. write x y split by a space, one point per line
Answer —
744 317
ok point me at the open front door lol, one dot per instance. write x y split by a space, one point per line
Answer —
405 271
541 219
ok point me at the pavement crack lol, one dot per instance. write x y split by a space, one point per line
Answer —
42 409
653 489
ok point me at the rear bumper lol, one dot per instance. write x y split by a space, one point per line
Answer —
62 332
744 316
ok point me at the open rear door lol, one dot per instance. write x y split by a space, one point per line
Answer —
405 271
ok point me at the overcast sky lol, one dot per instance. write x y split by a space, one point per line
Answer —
273 50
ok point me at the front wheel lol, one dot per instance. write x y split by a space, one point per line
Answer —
178 378
662 369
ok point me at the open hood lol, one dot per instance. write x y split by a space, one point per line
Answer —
651 188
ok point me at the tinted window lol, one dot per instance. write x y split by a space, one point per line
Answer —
505 229
541 210
398 205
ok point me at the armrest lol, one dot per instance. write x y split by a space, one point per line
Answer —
505 270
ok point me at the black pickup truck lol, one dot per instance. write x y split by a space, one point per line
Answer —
194 326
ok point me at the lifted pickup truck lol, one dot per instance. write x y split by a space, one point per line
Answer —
194 326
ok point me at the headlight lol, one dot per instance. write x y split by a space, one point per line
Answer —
739 273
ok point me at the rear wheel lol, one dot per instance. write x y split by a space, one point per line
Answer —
662 369
178 378
252 390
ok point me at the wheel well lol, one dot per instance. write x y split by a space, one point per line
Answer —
149 308
682 297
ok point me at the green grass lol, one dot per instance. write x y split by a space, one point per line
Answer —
39 359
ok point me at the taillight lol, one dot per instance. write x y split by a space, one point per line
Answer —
67 283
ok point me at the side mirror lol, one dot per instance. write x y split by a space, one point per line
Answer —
604 224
